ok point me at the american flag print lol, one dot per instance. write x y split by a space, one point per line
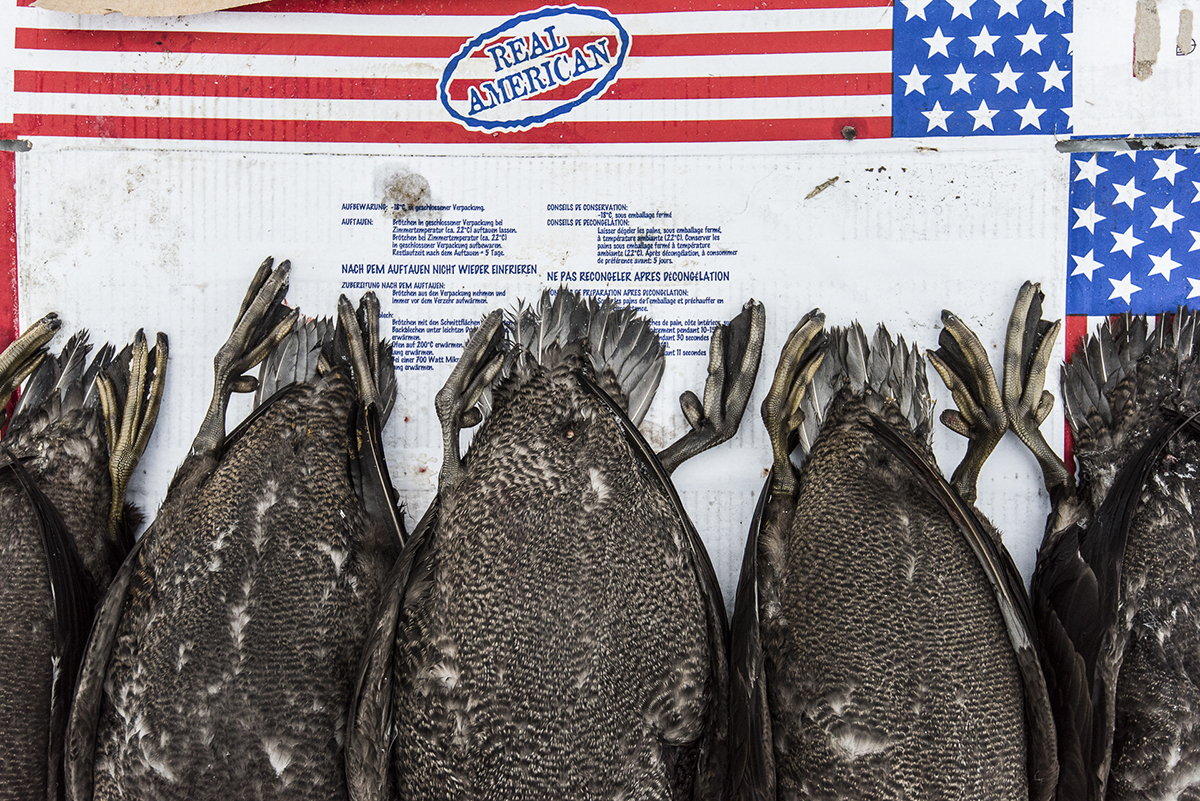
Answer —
1134 232
982 67
460 71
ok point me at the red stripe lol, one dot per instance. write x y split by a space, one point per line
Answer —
447 132
1075 328
189 85
439 47
8 249
509 8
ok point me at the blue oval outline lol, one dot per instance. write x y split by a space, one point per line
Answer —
538 119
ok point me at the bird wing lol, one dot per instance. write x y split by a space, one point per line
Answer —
368 744
710 779
73 595
373 482
1009 590
751 772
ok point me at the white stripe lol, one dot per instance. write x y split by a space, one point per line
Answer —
426 111
698 67
467 27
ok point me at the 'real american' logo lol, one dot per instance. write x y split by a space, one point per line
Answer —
533 68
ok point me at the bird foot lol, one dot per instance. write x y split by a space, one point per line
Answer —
25 353
130 420
962 362
263 321
802 355
479 364
734 353
1027 351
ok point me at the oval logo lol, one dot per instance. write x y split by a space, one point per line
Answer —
535 67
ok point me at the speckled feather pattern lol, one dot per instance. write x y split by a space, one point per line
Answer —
553 642
1156 745
70 465
236 653
889 669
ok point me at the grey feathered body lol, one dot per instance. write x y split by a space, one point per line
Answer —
235 655
553 641
889 669
1156 643
68 461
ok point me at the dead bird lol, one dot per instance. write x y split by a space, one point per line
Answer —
881 637
1117 584
75 437
225 654
554 628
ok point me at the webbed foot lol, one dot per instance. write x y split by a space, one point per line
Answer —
480 362
802 355
25 353
130 420
963 364
263 321
1027 351
734 353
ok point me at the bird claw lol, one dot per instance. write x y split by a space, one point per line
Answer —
962 362
25 353
798 362
734 353
479 364
1028 348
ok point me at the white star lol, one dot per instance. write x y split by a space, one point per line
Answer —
1086 265
1123 289
916 8
1030 115
1126 242
961 8
1054 77
914 81
1128 151
1164 264
937 117
1067 112
1007 78
1088 170
937 43
960 79
984 41
1195 241
1165 216
1196 184
1087 218
1127 193
983 115
1031 40
1070 37
1167 168
1195 293
1055 7
1008 7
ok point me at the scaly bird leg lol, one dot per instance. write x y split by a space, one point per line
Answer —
262 322
1027 351
963 364
734 353
480 362
802 355
25 353
129 430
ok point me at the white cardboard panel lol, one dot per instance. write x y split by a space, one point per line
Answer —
115 239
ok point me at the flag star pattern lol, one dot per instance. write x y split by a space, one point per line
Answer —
1134 232
1017 52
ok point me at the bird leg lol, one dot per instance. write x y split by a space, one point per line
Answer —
963 364
25 353
262 322
1027 351
802 355
481 360
734 353
129 429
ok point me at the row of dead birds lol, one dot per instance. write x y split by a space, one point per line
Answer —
552 628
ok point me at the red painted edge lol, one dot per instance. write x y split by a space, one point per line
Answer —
8 248
1074 331
510 8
